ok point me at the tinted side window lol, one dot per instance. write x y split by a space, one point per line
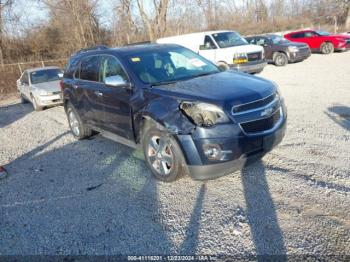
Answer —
309 34
251 40
71 67
89 68
110 66
298 35
208 43
261 41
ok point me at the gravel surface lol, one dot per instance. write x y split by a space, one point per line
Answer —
95 196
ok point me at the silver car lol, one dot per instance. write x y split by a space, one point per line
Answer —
41 86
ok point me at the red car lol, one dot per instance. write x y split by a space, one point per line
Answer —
320 41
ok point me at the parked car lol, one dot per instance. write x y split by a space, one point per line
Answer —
320 41
227 49
41 86
279 50
187 115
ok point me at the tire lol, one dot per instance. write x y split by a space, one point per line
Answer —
77 127
23 100
163 155
327 48
35 104
280 59
223 66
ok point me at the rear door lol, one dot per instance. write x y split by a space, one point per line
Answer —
88 90
208 48
117 113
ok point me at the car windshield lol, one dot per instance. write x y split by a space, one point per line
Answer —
278 40
46 75
324 33
229 39
165 66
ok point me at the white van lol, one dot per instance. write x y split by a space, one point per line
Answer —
227 49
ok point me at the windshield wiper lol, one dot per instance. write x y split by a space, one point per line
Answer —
205 74
164 83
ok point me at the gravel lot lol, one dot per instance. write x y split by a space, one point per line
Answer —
97 197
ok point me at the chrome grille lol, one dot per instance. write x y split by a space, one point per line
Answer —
253 105
254 56
263 124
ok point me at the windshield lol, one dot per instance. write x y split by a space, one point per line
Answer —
324 33
229 39
46 75
278 40
163 66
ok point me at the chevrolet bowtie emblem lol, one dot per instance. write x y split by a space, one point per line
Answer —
267 112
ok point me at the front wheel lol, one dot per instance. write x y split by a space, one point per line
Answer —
327 48
163 155
35 105
78 128
280 59
23 100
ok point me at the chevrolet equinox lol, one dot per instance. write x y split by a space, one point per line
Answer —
186 115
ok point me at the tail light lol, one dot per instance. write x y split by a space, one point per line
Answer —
62 85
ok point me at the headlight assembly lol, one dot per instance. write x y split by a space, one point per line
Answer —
240 58
203 114
293 49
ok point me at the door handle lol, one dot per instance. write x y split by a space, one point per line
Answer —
98 93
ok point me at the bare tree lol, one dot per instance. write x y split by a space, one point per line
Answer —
156 22
4 5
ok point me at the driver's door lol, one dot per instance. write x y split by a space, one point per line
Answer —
117 115
208 48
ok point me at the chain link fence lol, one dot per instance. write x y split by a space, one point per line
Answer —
9 73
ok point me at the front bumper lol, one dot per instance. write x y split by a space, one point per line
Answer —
250 67
50 100
299 56
243 148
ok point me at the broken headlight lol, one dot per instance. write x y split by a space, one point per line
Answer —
203 114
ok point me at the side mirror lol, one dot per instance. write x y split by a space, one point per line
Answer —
60 75
117 81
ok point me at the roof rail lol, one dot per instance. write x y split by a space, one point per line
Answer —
88 49
140 43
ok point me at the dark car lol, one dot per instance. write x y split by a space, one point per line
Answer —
279 50
186 115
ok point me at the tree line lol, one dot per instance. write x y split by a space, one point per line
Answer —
75 24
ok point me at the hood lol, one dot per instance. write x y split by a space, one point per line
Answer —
244 49
52 86
224 88
342 36
297 44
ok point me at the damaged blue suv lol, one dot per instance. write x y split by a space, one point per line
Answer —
187 115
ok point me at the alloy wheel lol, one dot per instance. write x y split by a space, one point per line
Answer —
74 124
160 154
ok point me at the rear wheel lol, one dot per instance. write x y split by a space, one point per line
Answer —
280 59
327 48
163 155
78 128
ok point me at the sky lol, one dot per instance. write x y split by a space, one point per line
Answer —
32 13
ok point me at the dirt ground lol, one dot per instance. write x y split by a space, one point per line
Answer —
95 196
